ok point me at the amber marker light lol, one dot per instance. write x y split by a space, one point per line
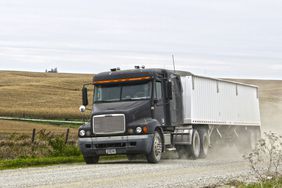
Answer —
145 129
122 80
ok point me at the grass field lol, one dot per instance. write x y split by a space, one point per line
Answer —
7 126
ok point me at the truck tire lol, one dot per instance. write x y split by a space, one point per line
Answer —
91 159
195 147
204 142
156 152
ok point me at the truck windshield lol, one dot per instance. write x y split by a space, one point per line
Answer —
103 93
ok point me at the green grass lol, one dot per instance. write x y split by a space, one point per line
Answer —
44 161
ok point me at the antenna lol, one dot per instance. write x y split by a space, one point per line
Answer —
173 62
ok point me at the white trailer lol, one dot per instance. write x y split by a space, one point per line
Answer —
219 102
217 111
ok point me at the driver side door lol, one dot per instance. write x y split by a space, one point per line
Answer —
159 113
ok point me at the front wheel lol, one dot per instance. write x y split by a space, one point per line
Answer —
156 152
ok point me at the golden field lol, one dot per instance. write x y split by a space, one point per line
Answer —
7 126
58 96
41 95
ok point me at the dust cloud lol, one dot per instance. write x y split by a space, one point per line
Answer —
271 117
225 153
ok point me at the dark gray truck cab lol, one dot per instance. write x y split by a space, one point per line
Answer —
134 112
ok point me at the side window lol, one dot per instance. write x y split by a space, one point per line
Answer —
158 90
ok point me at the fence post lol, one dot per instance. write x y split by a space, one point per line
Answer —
67 136
33 136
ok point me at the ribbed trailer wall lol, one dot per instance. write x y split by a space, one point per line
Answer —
219 102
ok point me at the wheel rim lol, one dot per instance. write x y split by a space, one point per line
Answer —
196 144
157 146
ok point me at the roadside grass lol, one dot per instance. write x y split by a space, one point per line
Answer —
48 148
271 183
46 161
265 163
45 144
43 161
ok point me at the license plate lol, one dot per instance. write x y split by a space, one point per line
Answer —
111 151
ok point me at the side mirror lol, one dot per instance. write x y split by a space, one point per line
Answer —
169 90
84 96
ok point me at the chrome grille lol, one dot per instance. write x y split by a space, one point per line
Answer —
109 124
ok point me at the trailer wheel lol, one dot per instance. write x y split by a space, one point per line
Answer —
91 159
195 147
204 142
156 152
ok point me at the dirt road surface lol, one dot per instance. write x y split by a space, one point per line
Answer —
168 173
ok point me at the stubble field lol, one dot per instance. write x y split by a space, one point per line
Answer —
41 95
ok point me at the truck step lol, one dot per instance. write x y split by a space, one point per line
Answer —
171 149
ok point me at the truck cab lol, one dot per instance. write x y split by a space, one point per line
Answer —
131 114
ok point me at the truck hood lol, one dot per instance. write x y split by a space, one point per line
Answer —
133 110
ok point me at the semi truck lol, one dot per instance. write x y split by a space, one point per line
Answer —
151 111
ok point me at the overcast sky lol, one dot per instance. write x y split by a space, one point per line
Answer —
221 38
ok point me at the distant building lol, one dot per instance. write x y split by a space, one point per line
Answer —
53 70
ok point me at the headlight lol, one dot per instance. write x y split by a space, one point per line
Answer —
82 133
138 130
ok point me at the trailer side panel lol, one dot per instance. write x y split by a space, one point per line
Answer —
219 102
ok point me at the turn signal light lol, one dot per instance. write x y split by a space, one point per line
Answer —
145 129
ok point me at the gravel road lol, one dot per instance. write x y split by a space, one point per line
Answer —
168 173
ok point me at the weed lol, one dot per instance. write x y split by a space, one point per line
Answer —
265 160
46 144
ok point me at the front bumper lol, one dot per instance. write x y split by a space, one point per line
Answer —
133 144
